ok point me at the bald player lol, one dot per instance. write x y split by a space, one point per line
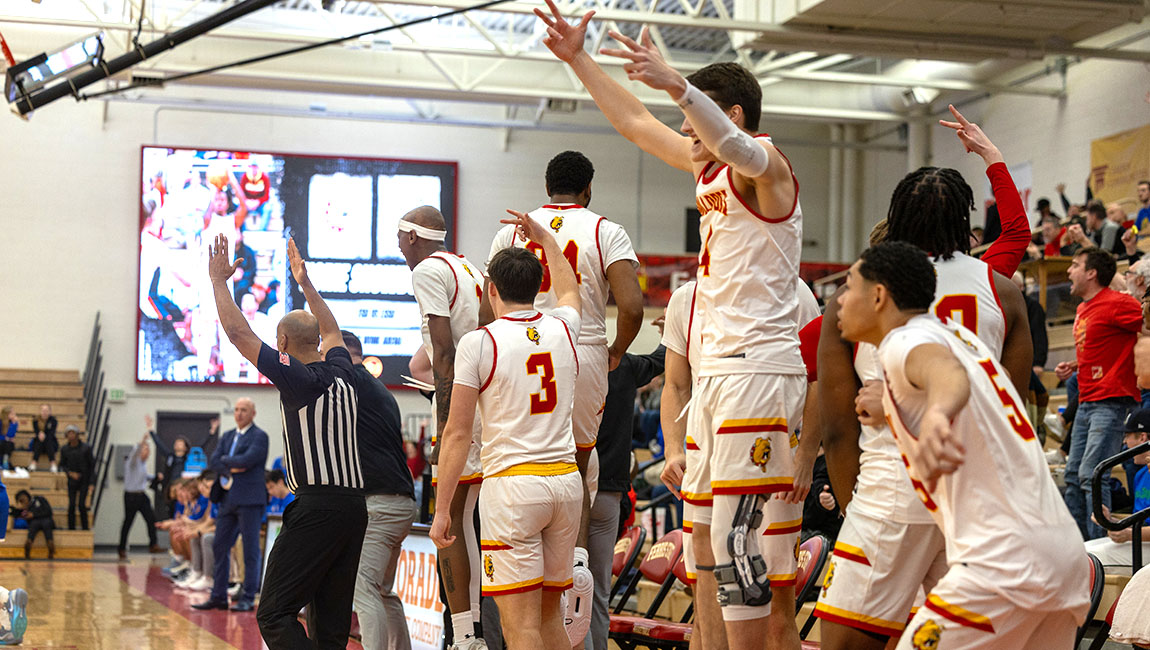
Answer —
447 288
316 556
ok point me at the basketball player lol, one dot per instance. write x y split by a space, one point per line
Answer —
447 288
889 546
601 255
751 374
1017 573
520 371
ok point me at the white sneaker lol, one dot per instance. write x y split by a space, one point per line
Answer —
234 591
54 469
187 581
1055 457
468 643
32 466
1053 422
203 584
577 613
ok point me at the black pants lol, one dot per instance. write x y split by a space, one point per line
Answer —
37 525
77 496
6 449
137 502
233 522
314 562
45 447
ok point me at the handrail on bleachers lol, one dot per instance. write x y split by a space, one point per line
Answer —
1136 519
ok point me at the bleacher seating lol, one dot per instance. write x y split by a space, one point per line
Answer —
25 390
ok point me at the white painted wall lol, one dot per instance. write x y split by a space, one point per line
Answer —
68 205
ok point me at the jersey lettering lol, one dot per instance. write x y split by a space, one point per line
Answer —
705 256
1017 421
960 307
547 398
570 251
712 202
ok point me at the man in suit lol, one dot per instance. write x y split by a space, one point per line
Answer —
242 496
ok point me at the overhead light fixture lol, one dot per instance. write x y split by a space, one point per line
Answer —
28 76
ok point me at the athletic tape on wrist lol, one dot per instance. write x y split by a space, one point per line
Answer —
423 231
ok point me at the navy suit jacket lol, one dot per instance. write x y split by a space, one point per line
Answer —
248 488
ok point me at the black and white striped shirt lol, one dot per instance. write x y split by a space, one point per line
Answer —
318 406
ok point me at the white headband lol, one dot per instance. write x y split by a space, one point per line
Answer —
423 231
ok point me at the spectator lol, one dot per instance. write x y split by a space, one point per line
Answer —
278 494
175 458
239 490
1053 235
821 513
77 460
38 513
1143 218
1043 207
44 441
136 480
1138 279
201 537
1116 214
196 505
11 424
1099 231
1115 548
1106 328
177 495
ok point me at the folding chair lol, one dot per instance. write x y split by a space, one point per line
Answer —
1097 583
657 567
627 548
813 555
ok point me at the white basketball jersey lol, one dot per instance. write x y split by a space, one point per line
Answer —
1000 512
590 244
527 366
965 294
746 304
680 332
445 284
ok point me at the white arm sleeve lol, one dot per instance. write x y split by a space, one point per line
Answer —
719 134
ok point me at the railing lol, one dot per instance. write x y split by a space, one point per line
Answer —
97 413
1135 520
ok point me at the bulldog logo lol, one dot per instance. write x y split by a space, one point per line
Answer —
533 335
829 579
761 453
557 222
488 567
926 636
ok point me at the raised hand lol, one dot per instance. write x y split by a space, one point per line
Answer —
298 268
149 424
564 39
646 64
220 268
527 228
972 137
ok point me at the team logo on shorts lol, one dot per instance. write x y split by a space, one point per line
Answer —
557 222
926 636
829 579
533 335
488 567
761 453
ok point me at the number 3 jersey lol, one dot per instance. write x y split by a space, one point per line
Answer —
1000 511
965 294
524 366
591 244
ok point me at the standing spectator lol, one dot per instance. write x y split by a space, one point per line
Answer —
38 513
1043 207
313 562
391 508
238 462
77 460
1106 328
136 479
174 458
44 441
1143 218
1099 231
11 424
279 496
1115 213
614 447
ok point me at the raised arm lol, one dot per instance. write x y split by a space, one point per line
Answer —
625 112
328 329
239 332
563 281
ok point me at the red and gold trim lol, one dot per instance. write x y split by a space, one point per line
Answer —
858 621
513 588
690 445
958 614
470 479
784 527
754 485
852 553
782 580
563 206
537 469
705 499
557 586
688 527
753 425
493 545
586 447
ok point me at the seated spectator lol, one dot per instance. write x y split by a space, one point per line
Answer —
44 441
1117 214
1099 231
38 513
821 513
1115 549
198 507
200 535
278 494
176 495
10 423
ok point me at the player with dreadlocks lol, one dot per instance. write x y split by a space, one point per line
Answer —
888 546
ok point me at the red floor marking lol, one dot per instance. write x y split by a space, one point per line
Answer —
238 629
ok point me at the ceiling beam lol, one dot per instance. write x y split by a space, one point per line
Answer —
908 82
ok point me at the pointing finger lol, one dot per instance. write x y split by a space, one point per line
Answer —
958 116
624 39
547 20
622 54
586 20
645 37
554 10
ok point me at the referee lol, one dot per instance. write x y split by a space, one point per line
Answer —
315 558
